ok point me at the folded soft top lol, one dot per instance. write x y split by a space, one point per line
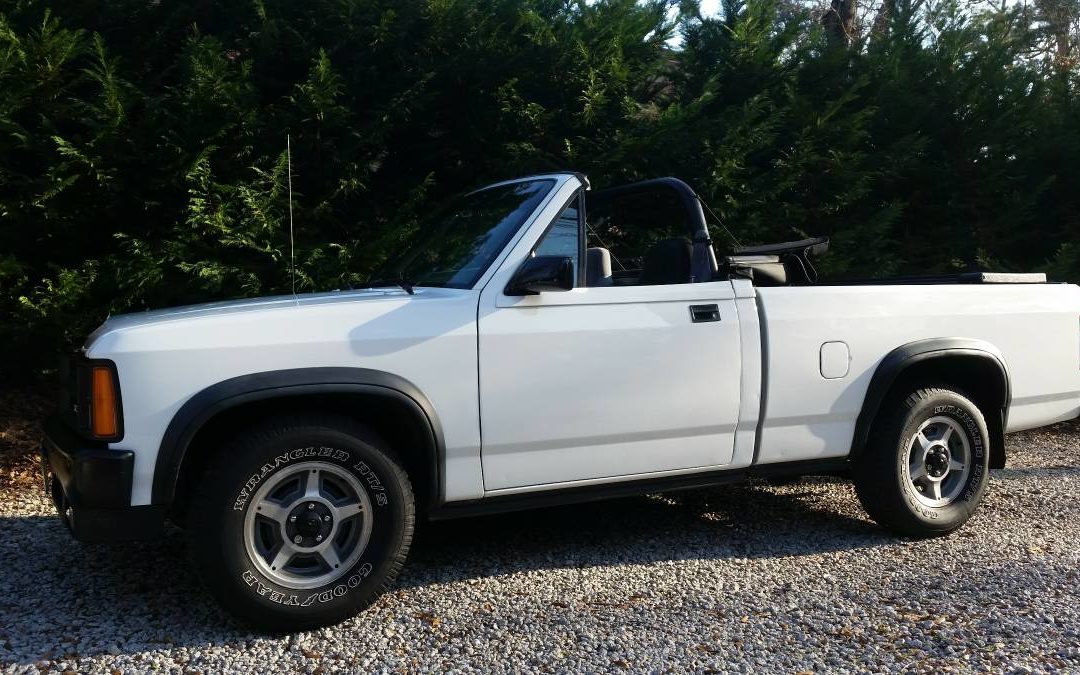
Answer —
815 246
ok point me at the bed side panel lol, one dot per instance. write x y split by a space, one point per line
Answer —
809 416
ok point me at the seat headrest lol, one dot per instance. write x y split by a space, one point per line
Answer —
597 266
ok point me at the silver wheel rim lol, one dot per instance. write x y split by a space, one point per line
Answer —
938 461
308 525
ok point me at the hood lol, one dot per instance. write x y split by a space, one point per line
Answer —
270 303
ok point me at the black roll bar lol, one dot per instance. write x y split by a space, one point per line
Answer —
704 260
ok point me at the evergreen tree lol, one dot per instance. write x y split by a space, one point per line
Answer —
142 144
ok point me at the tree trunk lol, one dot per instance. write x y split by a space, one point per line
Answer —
1061 21
839 22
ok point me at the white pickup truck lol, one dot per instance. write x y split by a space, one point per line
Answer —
541 343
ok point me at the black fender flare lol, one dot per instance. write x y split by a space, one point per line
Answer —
227 394
903 357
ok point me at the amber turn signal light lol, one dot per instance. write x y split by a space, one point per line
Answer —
103 408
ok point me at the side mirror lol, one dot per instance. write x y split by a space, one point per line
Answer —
542 273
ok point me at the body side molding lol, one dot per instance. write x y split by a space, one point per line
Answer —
225 395
898 360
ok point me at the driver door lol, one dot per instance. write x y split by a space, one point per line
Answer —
605 382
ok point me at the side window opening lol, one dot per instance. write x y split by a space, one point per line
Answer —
644 237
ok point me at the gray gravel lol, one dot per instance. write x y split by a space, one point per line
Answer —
748 578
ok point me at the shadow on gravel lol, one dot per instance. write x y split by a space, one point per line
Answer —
744 522
49 581
124 591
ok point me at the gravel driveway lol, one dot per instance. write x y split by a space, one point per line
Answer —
791 578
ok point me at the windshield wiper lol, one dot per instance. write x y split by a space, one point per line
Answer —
402 282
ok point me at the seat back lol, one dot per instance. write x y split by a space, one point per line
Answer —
667 262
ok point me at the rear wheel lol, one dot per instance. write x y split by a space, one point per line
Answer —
926 465
301 522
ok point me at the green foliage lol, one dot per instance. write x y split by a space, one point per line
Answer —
142 145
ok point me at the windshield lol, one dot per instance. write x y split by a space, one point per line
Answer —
457 245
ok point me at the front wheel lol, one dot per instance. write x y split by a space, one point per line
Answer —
301 522
926 465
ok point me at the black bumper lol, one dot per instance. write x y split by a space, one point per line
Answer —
91 488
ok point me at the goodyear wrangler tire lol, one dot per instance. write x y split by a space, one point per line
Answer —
301 522
926 466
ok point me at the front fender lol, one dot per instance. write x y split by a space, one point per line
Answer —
228 394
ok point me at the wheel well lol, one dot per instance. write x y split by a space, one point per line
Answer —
409 436
980 378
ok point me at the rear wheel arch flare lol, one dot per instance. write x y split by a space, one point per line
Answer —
391 405
975 366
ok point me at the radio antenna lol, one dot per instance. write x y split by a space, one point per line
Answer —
292 243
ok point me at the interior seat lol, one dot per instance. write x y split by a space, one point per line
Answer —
667 262
598 267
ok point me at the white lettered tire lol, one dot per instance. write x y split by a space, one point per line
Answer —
926 466
301 522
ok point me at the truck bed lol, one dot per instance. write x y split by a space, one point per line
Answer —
811 414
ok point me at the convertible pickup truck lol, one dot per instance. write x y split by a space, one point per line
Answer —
540 343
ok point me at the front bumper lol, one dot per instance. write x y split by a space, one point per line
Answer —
91 488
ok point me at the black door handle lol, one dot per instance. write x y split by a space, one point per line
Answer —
702 313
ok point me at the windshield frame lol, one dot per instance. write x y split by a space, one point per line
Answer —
398 263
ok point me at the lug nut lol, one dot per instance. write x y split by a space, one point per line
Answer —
311 505
318 538
292 519
297 539
326 519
